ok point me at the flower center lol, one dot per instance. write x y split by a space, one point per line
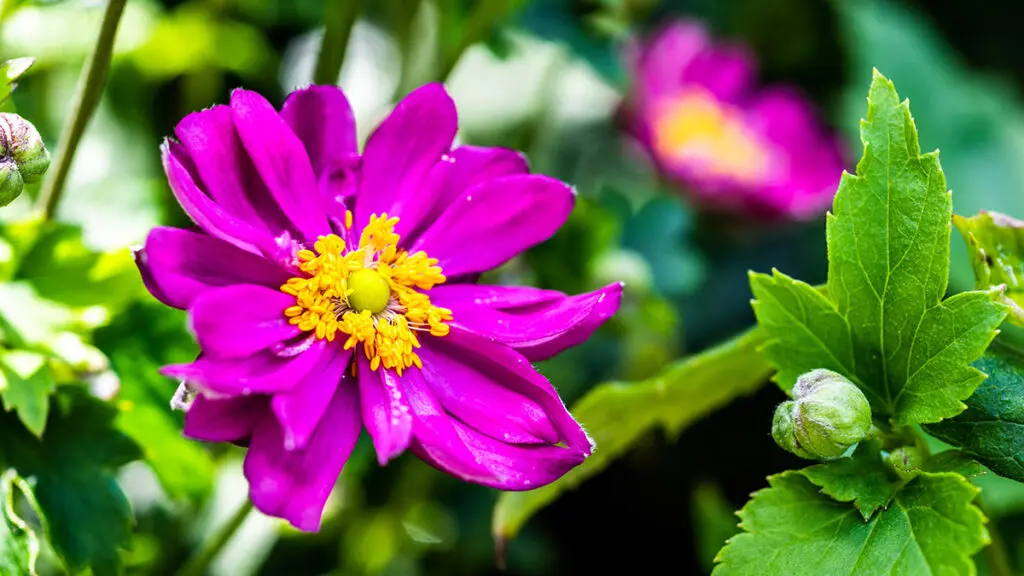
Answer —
373 293
710 137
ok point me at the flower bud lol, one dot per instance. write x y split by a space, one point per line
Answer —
828 415
906 461
21 142
11 183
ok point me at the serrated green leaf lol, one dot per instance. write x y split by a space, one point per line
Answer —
863 479
791 529
992 427
72 468
954 461
884 323
995 244
617 414
25 386
19 544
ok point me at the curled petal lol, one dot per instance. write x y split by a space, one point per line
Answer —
178 265
301 409
261 373
453 447
385 411
224 419
403 149
537 323
496 220
295 484
240 320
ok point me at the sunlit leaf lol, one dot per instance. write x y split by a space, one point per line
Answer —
884 323
617 414
792 529
25 386
995 244
10 71
19 544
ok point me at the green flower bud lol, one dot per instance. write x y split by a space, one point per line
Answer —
828 415
20 141
906 461
11 183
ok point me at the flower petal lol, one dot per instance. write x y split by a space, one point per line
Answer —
481 401
461 168
224 419
385 412
203 210
301 409
453 447
261 373
515 372
281 161
178 265
403 149
322 119
496 220
226 172
538 329
294 485
240 320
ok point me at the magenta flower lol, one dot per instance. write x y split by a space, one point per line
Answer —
331 291
694 107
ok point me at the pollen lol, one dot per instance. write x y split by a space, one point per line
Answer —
372 295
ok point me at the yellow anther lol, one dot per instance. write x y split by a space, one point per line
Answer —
373 293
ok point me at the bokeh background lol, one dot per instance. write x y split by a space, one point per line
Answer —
547 78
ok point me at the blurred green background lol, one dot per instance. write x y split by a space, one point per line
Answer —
545 77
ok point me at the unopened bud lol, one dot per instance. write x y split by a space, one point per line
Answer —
906 461
11 183
828 415
21 142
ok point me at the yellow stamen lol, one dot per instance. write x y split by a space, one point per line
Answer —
373 294
711 136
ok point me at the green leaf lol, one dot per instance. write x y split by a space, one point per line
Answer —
992 427
617 414
72 469
883 323
19 544
863 479
10 71
791 529
995 244
25 386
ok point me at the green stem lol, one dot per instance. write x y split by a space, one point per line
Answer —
87 96
481 21
996 556
339 16
198 564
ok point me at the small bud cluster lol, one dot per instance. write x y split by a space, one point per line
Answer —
828 415
23 157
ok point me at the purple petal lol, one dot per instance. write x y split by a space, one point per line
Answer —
178 265
453 447
403 149
226 171
214 219
240 320
224 420
476 398
322 119
515 372
300 410
538 331
281 160
496 220
294 485
261 373
385 412
460 169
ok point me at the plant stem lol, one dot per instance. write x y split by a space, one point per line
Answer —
996 556
87 96
481 21
198 564
339 16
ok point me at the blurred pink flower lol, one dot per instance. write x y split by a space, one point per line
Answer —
735 148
